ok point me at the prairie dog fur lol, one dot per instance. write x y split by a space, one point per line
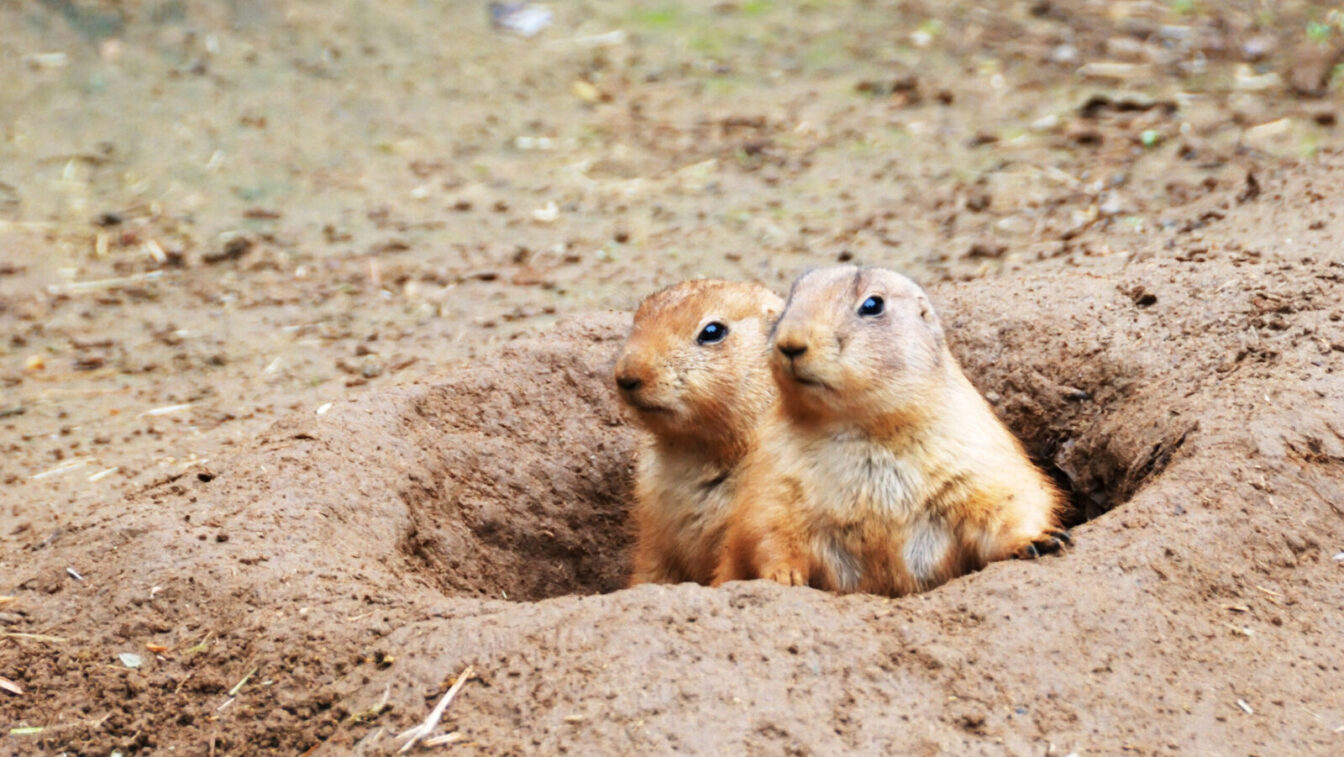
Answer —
881 469
694 373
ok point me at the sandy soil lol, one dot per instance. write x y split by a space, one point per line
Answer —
307 320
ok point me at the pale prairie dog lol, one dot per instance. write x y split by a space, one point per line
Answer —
694 372
881 469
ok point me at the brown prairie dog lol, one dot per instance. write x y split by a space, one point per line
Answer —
694 374
881 469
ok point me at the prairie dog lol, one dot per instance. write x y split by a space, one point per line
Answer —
695 375
881 469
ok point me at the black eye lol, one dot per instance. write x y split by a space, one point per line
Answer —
712 333
871 306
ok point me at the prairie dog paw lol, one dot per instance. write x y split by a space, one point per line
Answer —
786 575
1050 541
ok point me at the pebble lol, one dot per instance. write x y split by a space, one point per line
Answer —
1259 46
523 19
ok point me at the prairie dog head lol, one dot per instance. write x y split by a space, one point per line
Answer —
858 346
694 366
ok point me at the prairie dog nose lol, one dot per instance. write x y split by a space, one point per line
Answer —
791 349
629 383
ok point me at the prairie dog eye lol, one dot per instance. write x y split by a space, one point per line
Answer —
871 307
712 333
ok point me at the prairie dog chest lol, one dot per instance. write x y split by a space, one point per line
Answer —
868 521
850 479
690 497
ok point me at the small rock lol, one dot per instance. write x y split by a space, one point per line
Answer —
523 19
129 659
1269 131
1063 54
1115 204
586 91
1142 297
1048 122
1310 68
1258 47
39 61
547 214
1109 69
1073 394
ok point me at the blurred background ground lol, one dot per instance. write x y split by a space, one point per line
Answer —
211 214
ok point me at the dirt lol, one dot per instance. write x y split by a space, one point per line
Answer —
308 314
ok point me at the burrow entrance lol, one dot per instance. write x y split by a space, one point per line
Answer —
524 490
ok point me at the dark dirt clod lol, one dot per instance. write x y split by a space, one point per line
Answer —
233 249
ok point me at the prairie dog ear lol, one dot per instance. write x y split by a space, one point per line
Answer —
929 316
926 311
770 316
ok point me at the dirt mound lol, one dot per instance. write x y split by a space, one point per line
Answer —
522 486
323 587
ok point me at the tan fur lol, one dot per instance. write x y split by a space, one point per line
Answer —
881 469
701 404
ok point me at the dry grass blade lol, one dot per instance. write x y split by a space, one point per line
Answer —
32 637
104 473
444 740
64 467
166 409
238 686
75 287
10 686
432 722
